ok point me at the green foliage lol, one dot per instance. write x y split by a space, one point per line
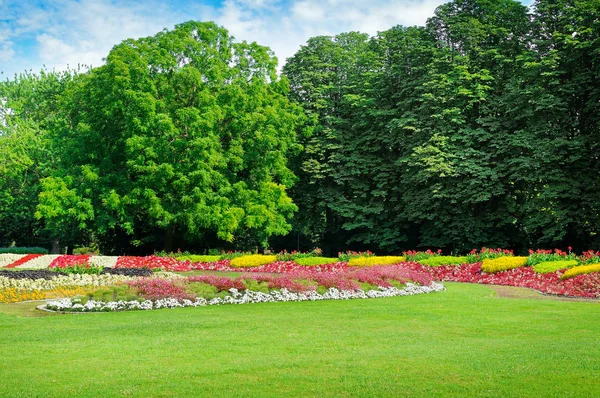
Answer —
285 256
547 267
112 293
86 250
312 261
23 250
349 255
478 129
196 258
549 256
438 261
203 130
80 269
29 111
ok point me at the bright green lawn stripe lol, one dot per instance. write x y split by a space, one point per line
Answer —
463 342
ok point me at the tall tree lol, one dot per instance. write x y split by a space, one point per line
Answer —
28 111
185 132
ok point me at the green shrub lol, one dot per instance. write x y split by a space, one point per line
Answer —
313 261
543 256
413 255
23 250
439 261
502 263
197 258
86 250
552 266
581 270
285 256
375 260
347 256
252 260
79 269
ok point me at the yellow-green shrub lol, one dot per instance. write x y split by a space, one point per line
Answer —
583 269
252 260
547 267
313 261
502 263
375 260
439 261
196 258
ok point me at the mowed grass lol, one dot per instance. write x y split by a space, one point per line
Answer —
462 342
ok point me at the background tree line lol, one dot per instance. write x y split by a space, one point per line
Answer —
479 129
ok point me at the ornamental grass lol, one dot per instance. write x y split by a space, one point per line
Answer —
439 261
253 260
547 267
581 270
504 263
312 261
375 260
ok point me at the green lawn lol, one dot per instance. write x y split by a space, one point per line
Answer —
462 342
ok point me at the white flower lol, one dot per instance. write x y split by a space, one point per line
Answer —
103 261
9 258
244 297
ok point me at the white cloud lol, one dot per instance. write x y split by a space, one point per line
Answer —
284 28
83 31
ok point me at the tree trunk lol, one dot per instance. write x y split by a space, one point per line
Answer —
168 245
55 247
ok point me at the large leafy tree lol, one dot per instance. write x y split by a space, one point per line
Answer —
28 111
325 76
185 134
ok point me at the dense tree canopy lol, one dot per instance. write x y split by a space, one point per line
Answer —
480 128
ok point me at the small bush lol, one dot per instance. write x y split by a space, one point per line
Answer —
346 256
413 255
590 257
230 255
502 264
542 256
487 254
86 250
23 250
439 261
79 269
313 261
289 256
197 258
552 266
581 270
253 260
375 260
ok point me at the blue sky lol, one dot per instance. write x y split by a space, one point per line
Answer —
57 33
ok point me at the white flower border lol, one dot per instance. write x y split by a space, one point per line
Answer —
103 261
237 297
61 281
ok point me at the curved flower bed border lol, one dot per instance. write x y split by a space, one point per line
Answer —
243 297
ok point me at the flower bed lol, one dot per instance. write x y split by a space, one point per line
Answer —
237 297
66 261
26 258
579 286
8 258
